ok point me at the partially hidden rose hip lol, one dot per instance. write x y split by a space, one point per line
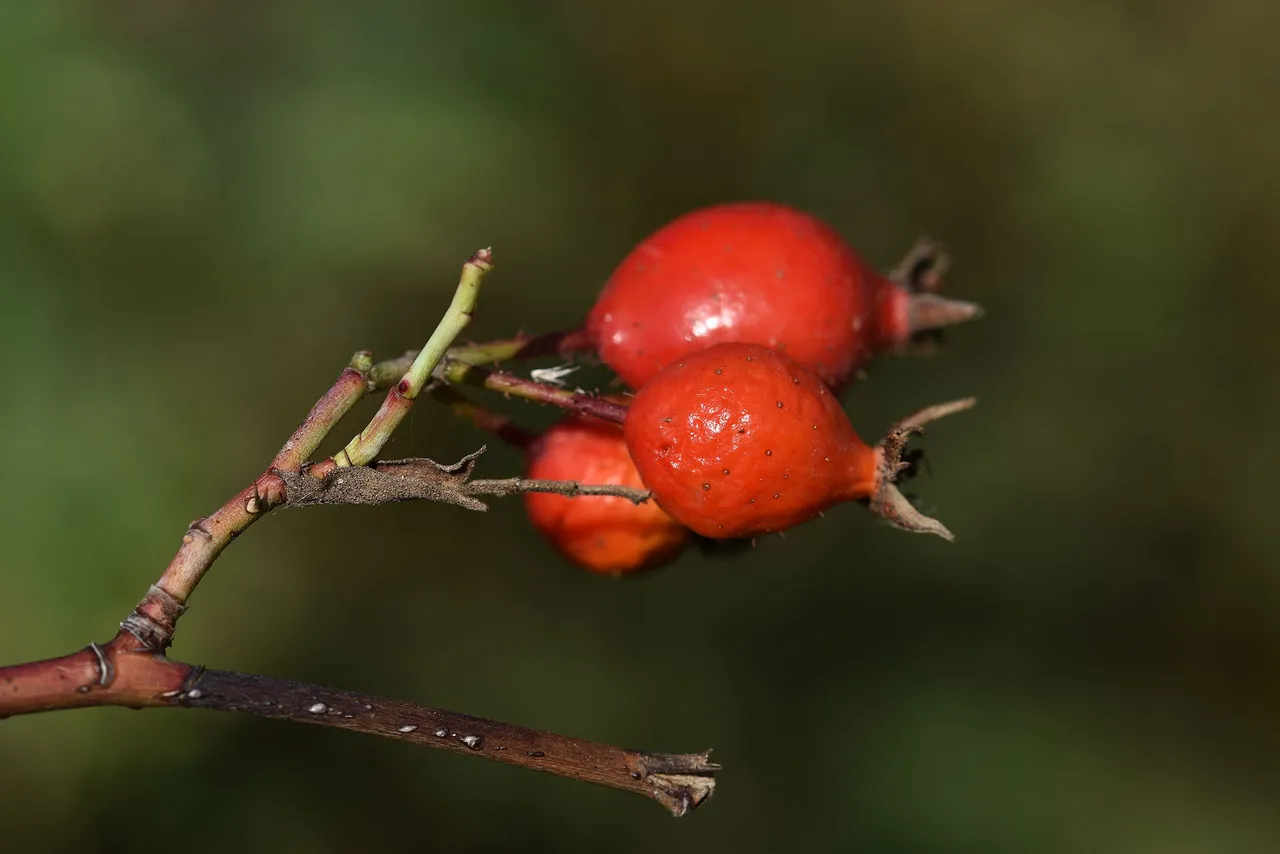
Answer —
760 273
738 440
604 534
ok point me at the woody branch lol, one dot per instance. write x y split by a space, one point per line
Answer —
132 669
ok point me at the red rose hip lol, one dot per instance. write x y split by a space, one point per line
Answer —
759 273
739 440
604 534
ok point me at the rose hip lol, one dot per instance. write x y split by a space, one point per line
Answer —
739 440
760 273
604 534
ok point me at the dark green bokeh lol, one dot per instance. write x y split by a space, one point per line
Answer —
206 207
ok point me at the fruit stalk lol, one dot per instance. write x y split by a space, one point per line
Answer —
567 488
518 437
605 408
485 419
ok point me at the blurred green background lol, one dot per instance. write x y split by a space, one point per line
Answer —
206 207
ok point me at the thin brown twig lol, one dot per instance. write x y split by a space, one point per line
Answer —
567 488
120 673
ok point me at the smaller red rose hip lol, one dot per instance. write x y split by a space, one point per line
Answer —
739 440
604 534
760 273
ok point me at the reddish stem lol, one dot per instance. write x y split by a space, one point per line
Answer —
350 387
486 419
122 673
118 673
582 403
156 616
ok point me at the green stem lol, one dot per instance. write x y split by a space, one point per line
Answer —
456 319
387 373
399 400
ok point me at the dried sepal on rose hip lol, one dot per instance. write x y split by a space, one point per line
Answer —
739 440
604 534
762 273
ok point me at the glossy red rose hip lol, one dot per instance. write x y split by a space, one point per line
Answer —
604 534
759 273
739 440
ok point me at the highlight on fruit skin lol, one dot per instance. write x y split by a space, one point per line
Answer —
761 273
739 440
604 534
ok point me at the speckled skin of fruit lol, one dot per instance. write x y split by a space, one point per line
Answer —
603 534
754 272
738 440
